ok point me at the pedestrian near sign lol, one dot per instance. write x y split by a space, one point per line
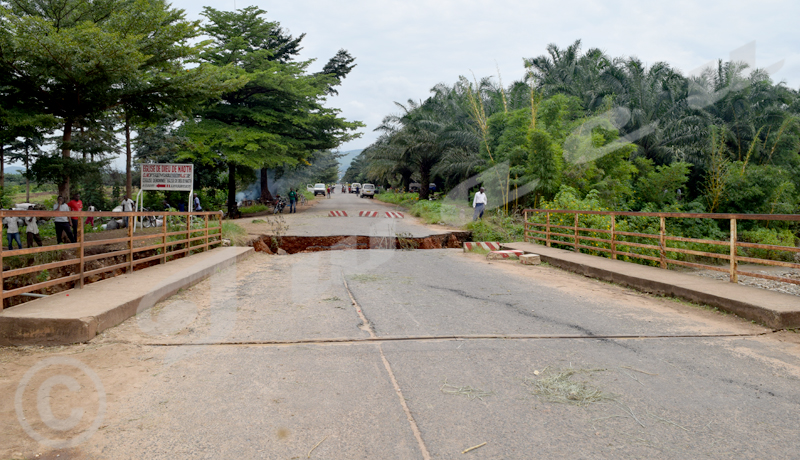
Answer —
168 177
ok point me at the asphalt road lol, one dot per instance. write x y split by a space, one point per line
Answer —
314 220
423 354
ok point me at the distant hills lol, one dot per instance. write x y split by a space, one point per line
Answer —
16 170
344 162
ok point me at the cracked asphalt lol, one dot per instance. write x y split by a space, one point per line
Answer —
211 382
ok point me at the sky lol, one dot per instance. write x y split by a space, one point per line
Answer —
404 48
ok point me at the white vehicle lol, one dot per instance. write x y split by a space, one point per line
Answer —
355 187
320 189
367 190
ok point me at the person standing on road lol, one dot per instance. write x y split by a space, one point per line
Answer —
62 223
75 205
32 231
13 232
292 201
127 206
479 203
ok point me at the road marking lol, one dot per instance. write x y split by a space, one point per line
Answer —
394 215
337 214
367 213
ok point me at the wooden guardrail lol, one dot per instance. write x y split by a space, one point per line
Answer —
573 235
180 234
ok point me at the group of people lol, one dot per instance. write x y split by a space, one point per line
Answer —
66 227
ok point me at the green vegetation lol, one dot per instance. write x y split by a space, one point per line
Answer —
253 209
589 131
235 233
227 94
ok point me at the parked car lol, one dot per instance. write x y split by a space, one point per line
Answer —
320 189
355 187
367 190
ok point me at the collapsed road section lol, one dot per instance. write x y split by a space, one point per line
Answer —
294 244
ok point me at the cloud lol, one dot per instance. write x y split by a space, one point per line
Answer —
405 47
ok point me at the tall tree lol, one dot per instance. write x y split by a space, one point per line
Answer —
277 118
76 59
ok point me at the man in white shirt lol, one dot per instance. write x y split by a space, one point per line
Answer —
62 223
127 206
479 203
32 231
12 232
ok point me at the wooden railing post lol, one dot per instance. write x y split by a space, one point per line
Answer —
81 251
525 226
131 223
164 237
613 237
734 275
206 232
576 233
662 242
547 235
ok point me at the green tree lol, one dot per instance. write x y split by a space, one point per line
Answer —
277 118
76 60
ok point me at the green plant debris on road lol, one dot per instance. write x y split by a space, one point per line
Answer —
558 386
466 390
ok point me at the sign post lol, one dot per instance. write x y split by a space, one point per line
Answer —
166 177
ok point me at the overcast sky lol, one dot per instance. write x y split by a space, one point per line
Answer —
403 48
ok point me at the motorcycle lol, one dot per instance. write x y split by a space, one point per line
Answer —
280 203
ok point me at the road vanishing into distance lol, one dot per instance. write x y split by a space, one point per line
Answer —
421 354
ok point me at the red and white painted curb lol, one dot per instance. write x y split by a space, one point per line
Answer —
507 254
489 246
367 213
337 214
394 215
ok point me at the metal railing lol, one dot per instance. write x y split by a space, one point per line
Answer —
615 241
159 239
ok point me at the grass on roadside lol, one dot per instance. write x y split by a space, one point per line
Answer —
235 233
253 209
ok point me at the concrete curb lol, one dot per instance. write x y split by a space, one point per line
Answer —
78 315
775 309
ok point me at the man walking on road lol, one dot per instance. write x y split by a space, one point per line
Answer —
292 201
479 203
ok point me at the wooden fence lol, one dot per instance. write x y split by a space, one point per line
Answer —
615 240
185 234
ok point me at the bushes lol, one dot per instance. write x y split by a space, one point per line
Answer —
768 236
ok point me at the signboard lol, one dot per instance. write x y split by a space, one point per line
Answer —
168 177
